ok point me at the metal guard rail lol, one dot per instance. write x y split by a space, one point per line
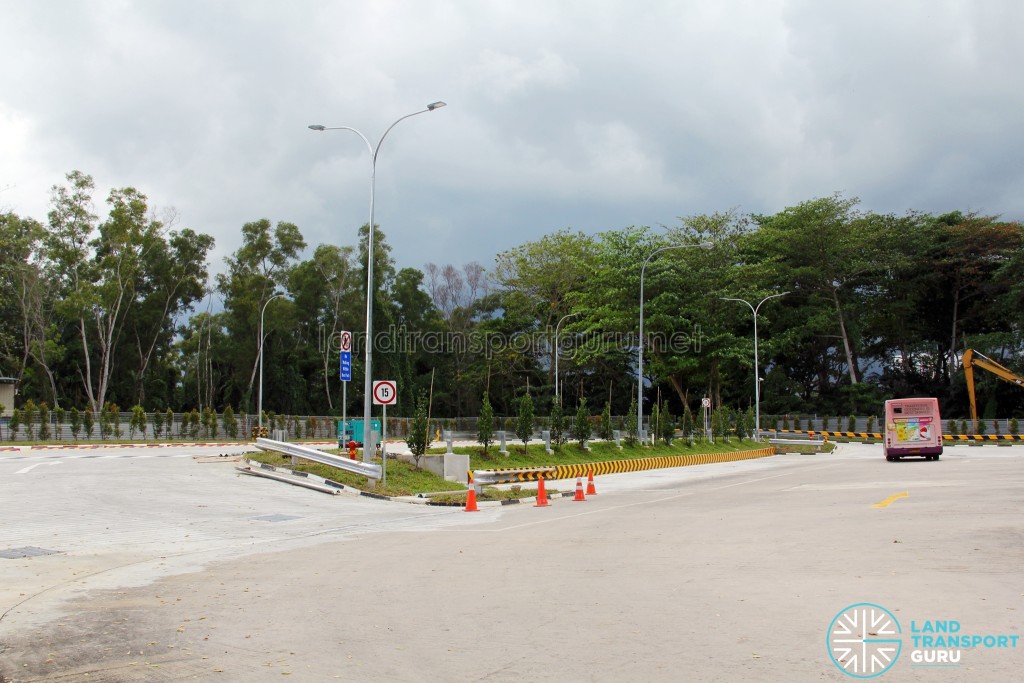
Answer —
355 466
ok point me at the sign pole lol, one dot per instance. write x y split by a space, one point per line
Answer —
384 445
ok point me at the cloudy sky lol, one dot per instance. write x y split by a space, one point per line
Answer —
588 114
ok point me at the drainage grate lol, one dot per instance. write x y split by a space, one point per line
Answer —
276 518
27 551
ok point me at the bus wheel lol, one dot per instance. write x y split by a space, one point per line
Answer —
890 458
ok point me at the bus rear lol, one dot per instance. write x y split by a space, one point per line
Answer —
913 427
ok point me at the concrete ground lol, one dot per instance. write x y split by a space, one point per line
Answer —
153 566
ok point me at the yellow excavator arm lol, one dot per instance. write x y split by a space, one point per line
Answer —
971 359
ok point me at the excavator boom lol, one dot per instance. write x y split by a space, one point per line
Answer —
971 359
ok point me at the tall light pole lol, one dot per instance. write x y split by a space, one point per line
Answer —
757 372
640 344
259 408
368 379
558 397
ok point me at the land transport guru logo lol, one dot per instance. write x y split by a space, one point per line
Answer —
865 640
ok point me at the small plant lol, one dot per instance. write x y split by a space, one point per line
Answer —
58 420
631 425
158 424
229 421
871 423
419 436
582 429
963 427
14 424
484 425
137 422
44 422
982 427
1014 426
604 430
524 425
668 425
785 422
851 423
557 424
88 422
952 428
169 422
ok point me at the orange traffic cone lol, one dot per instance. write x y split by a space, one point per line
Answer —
471 500
471 496
542 496
591 489
579 490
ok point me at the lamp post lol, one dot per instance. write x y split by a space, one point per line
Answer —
259 408
757 372
368 379
640 345
558 397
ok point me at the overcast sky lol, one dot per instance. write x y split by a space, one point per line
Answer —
587 114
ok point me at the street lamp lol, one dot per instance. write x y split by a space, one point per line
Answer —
558 396
259 408
368 381
757 372
640 345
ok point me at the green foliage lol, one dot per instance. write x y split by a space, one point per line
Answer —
524 423
582 429
58 419
44 422
192 421
1014 426
169 422
604 430
982 427
871 423
851 423
158 424
230 423
951 427
208 419
632 433
29 411
14 424
668 425
137 422
557 424
88 422
485 424
420 437
963 427
785 422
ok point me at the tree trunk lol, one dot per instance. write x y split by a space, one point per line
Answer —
851 362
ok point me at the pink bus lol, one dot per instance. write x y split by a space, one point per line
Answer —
912 427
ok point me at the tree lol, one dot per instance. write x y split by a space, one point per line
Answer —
485 424
582 429
419 436
557 427
605 427
137 422
524 424
631 425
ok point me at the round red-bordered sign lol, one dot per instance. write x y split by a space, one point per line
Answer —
346 341
385 392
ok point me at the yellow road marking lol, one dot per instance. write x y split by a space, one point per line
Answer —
890 500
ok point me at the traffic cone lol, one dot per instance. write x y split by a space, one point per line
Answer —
471 500
579 490
591 489
542 496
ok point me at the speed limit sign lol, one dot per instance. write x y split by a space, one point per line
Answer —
385 392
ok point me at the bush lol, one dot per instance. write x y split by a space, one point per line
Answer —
44 422
851 423
419 436
88 422
604 430
524 425
14 424
982 427
485 425
871 423
582 429
230 423
76 422
1014 426
631 426
557 425
668 425
58 420
137 422
951 427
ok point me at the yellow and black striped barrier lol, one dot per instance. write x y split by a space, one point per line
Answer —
619 466
876 435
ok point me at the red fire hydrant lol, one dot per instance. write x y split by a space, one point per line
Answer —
352 445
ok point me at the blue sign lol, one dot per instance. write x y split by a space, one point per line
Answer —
346 366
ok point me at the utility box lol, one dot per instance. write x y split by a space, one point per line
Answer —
352 430
7 385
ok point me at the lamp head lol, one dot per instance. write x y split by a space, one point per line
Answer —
317 126
436 105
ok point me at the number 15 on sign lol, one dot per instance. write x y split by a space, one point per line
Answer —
385 392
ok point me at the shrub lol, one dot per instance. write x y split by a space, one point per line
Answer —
484 426
14 424
44 422
871 423
1014 426
524 424
137 422
631 425
604 430
851 423
58 420
668 425
419 436
88 422
75 418
230 422
158 424
951 427
582 429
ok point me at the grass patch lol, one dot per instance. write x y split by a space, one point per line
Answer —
405 480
